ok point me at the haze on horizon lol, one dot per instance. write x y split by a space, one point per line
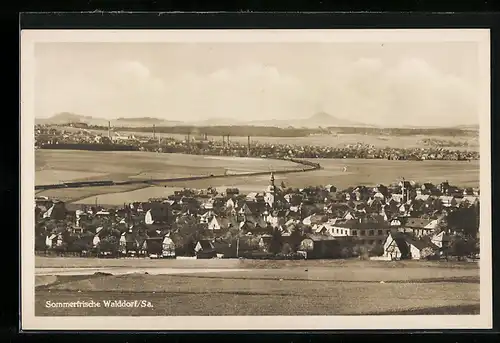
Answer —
395 83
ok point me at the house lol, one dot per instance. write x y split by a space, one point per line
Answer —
52 240
57 211
448 201
232 192
331 188
158 213
218 223
255 226
420 227
314 219
168 247
401 246
265 242
230 204
471 200
205 249
368 230
224 248
153 247
97 237
293 199
441 240
316 247
156 247
128 244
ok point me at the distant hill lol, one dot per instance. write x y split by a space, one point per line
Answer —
67 118
216 122
320 119
144 121
63 118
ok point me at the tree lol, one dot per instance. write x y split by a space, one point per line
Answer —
295 238
286 249
276 244
464 220
108 244
40 242
462 247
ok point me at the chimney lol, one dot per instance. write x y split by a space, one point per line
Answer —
223 140
109 129
154 132
248 146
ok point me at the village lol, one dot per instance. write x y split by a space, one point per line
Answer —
200 144
404 220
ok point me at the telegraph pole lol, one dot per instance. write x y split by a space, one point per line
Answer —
238 247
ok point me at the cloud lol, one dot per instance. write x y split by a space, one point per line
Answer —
410 92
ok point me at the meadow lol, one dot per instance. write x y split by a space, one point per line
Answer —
359 172
340 287
54 166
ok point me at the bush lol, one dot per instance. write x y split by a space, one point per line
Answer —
346 252
362 251
376 250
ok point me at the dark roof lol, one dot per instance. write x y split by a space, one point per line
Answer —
420 244
317 238
417 222
206 244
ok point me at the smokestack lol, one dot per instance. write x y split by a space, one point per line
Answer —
154 133
223 140
189 142
109 129
248 146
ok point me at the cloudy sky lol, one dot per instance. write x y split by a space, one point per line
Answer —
383 84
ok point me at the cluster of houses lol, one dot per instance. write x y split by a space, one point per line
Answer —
404 220
204 146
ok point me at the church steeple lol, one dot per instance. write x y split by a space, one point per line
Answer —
272 187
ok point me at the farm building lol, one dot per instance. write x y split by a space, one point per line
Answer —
316 246
401 246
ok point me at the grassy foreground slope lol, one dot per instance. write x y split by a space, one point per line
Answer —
310 287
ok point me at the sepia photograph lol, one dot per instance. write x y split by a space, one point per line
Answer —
255 179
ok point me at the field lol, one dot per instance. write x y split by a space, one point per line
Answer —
54 166
130 165
339 140
242 287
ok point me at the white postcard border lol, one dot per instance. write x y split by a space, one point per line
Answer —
30 322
